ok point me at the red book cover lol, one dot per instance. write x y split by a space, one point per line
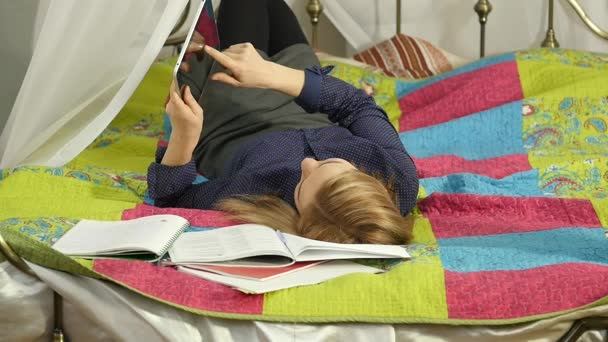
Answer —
255 273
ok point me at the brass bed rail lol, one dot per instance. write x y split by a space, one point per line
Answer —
586 20
483 9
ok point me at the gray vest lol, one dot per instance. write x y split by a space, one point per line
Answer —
235 116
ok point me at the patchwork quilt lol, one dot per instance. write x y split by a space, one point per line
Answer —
512 217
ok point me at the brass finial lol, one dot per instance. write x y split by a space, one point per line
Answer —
550 39
314 9
483 9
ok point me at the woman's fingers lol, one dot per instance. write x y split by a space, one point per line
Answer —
241 46
175 102
225 78
197 43
224 60
245 67
194 47
173 91
191 102
185 67
233 55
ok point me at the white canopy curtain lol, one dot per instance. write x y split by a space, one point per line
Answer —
85 60
453 25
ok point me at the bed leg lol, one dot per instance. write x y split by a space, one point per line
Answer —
550 39
57 317
15 260
583 325
483 9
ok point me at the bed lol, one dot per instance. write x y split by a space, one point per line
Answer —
546 177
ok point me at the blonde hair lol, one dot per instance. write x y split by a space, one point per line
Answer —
352 207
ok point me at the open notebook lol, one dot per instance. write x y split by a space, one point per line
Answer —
146 238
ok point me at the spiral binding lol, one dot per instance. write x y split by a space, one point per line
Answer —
169 243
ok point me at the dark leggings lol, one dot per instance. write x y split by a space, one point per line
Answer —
269 25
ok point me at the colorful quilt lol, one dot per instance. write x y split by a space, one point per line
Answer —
512 153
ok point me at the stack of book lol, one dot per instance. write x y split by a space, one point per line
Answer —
248 257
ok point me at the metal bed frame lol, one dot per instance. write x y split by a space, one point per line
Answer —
315 9
483 9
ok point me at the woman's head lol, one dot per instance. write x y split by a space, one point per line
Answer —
335 202
314 175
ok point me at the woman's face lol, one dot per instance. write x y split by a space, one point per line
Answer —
314 174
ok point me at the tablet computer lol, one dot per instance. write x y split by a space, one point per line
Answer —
203 31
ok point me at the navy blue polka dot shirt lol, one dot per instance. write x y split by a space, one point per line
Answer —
270 164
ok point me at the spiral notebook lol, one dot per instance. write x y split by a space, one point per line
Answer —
146 238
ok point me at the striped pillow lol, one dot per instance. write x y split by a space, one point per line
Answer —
408 57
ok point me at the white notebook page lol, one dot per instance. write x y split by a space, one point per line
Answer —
229 243
150 233
306 250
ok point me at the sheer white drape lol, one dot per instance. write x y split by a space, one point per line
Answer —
453 26
87 58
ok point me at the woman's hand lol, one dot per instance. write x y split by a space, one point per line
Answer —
248 69
186 126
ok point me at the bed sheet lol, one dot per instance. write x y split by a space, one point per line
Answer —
510 151
98 311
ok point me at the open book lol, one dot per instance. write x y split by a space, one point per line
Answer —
260 246
146 238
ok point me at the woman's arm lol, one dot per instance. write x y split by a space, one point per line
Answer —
315 92
174 171
348 106
172 187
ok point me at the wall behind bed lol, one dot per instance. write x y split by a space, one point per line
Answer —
16 25
349 26
332 40
453 26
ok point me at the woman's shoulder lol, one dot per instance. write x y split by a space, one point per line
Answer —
276 179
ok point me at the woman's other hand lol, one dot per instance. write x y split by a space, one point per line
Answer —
186 126
186 115
246 68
